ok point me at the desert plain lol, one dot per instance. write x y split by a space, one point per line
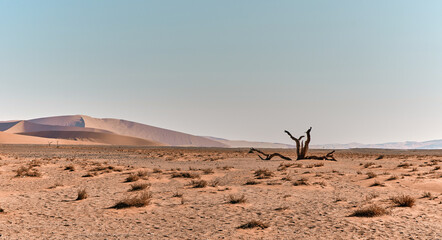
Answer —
216 193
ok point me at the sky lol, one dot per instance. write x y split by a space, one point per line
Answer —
355 71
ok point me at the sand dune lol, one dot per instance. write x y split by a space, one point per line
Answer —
27 126
132 129
95 137
10 138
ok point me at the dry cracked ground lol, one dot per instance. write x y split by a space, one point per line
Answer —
102 192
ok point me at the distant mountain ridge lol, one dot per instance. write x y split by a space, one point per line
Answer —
433 144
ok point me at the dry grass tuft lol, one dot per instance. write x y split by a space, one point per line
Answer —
208 171
370 211
177 194
70 168
404 165
157 170
254 224
251 182
377 184
185 175
132 178
393 177
367 165
426 195
140 200
403 201
371 175
263 173
82 194
301 181
198 183
139 186
27 172
234 199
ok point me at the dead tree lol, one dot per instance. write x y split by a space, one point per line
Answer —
303 147
268 156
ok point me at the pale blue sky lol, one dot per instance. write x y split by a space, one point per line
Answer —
357 71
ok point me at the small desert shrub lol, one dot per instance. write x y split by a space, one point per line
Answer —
371 175
370 211
1 209
27 172
377 183
321 183
57 184
234 199
263 173
70 168
436 168
89 174
142 173
414 169
369 164
132 178
318 164
198 183
392 177
403 201
139 186
177 194
281 208
427 195
82 194
140 200
404 165
157 170
208 171
380 157
301 181
251 182
359 172
214 183
185 175
227 167
254 224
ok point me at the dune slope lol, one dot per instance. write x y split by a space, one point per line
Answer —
96 137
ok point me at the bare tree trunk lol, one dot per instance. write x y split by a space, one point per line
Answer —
303 147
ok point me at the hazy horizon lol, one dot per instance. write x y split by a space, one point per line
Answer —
365 72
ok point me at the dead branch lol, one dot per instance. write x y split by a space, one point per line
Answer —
268 156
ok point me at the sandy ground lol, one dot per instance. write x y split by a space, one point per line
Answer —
45 207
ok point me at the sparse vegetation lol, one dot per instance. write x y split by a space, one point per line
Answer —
82 194
198 183
141 200
157 170
208 171
254 224
139 186
185 175
392 177
234 199
132 178
371 175
263 173
27 172
370 211
367 165
251 182
403 201
377 184
301 181
70 168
